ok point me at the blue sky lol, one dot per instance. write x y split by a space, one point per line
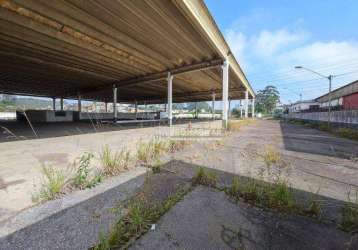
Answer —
270 37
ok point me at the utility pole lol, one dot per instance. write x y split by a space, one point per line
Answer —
329 93
329 100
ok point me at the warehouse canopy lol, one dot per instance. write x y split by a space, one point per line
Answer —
67 48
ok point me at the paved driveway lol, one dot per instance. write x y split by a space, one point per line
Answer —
316 161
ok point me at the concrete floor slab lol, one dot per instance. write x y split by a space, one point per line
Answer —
21 160
207 219
316 161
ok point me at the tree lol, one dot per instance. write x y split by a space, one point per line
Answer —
178 106
266 99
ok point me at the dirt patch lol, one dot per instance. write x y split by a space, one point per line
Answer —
53 158
4 185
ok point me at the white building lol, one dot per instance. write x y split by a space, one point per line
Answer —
302 106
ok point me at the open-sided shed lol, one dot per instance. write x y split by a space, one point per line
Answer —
90 49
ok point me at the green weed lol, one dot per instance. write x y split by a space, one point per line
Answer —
204 178
53 185
347 133
157 166
272 157
236 125
83 178
349 220
114 162
141 214
280 196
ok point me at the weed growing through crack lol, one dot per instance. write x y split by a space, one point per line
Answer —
151 150
271 157
53 184
144 153
141 214
280 196
157 166
204 178
277 196
314 208
236 125
347 133
83 178
114 162
349 221
235 187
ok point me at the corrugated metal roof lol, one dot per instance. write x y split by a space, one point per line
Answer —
63 48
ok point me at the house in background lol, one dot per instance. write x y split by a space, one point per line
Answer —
303 106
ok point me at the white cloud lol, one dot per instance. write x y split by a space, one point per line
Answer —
267 43
327 56
272 54
237 42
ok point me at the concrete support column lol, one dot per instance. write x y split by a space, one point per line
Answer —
114 103
196 110
54 104
79 105
145 110
253 107
136 108
246 104
170 98
213 106
241 108
61 104
229 111
225 69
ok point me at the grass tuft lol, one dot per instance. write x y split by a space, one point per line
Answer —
281 197
236 125
83 178
141 214
349 222
53 185
114 162
272 157
204 178
157 166
348 133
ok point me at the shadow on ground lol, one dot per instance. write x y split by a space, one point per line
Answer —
13 130
208 219
306 140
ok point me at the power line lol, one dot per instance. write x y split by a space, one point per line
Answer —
311 64
294 75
